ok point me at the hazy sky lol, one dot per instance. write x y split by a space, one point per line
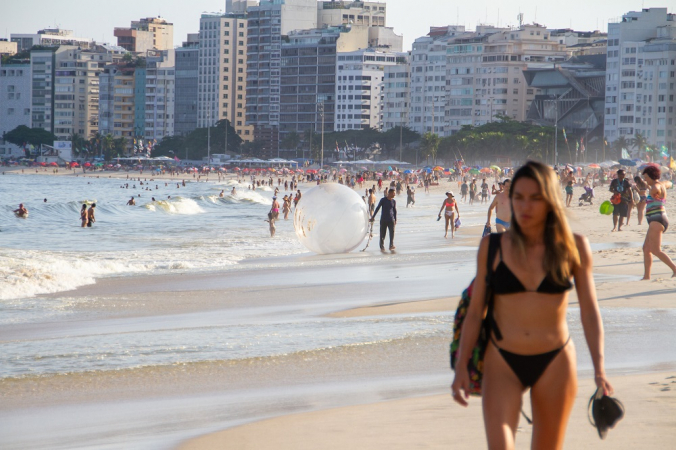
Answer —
412 18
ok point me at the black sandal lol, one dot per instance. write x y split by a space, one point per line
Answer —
604 412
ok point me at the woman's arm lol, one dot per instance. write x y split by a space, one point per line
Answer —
456 209
589 313
471 327
442 206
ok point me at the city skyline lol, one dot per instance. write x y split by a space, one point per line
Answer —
32 15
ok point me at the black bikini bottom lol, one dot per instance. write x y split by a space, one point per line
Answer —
528 368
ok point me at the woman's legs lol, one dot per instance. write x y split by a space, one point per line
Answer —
552 399
640 208
501 393
452 220
446 218
653 246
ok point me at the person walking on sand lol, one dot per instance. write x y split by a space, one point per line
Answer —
388 218
642 191
451 208
656 216
503 209
83 215
90 215
472 192
372 202
620 186
464 187
529 342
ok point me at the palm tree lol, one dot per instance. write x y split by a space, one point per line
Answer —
107 143
620 144
76 142
640 143
430 144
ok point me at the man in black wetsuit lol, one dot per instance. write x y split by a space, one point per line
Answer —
388 218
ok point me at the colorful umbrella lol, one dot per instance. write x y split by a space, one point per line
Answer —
594 166
628 162
439 168
495 167
486 170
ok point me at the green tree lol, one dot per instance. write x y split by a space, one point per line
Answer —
429 144
640 143
291 141
22 135
618 145
107 142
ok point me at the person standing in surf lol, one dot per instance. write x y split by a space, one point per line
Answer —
90 215
451 208
83 215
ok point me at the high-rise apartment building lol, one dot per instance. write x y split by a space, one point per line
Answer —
267 23
222 72
116 101
640 77
151 33
15 103
360 87
185 106
160 91
396 95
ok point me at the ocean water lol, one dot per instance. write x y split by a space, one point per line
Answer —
195 229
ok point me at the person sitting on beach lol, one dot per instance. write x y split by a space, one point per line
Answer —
83 215
503 209
529 342
90 215
656 216
131 202
21 211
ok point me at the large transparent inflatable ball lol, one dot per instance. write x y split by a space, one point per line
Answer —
331 218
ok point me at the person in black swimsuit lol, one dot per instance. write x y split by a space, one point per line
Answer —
529 343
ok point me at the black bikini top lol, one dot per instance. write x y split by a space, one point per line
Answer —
505 282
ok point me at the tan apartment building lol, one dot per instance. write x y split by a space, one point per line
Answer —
336 13
221 87
146 34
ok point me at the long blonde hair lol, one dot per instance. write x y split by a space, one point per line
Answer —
561 254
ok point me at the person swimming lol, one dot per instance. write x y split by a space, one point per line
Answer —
21 211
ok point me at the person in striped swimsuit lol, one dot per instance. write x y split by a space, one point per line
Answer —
656 215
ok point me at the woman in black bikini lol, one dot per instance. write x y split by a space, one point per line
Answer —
530 343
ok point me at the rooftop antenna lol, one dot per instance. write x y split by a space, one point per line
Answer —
535 20
519 17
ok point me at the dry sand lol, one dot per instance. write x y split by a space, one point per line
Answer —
435 422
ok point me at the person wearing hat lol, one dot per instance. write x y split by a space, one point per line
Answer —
621 187
451 208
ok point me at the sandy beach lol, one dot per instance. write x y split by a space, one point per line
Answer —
391 392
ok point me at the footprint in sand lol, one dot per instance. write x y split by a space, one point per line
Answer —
665 389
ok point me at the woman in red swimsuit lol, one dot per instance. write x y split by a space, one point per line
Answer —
530 345
451 208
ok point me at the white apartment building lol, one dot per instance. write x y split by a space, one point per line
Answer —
428 80
116 102
640 77
396 95
360 80
160 94
15 103
222 71
468 78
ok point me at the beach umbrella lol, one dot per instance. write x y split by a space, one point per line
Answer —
87 164
486 170
628 162
474 171
379 174
594 166
439 168
343 170
236 169
407 171
311 171
53 164
494 167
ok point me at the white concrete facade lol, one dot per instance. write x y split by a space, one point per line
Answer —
360 80
15 104
397 95
640 77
